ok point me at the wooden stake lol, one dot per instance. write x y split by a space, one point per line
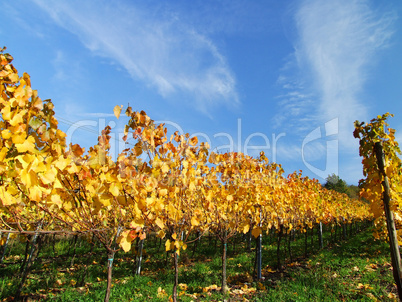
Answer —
393 241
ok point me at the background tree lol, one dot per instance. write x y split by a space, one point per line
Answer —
353 191
334 182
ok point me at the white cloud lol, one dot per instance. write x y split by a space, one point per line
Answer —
337 43
153 46
294 105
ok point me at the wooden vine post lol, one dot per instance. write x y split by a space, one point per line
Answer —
320 238
393 240
382 167
259 251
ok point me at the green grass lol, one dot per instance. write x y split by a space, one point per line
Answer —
357 269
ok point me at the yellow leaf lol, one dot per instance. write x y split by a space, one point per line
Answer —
138 222
364 286
392 296
61 163
17 119
56 200
209 288
193 141
28 145
389 170
40 167
35 193
177 246
126 245
209 196
77 150
159 223
60 134
246 228
194 221
163 192
192 186
172 210
19 138
57 184
67 205
73 169
125 241
114 189
13 190
117 110
29 179
165 168
256 232
6 134
161 293
105 199
183 286
150 201
161 234
49 176
38 104
6 113
25 160
5 197
168 245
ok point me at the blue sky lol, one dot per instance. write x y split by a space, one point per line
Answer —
285 77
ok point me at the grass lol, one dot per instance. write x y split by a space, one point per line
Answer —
356 269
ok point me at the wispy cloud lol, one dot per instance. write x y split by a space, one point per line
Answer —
336 43
21 19
294 107
154 46
295 103
230 17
